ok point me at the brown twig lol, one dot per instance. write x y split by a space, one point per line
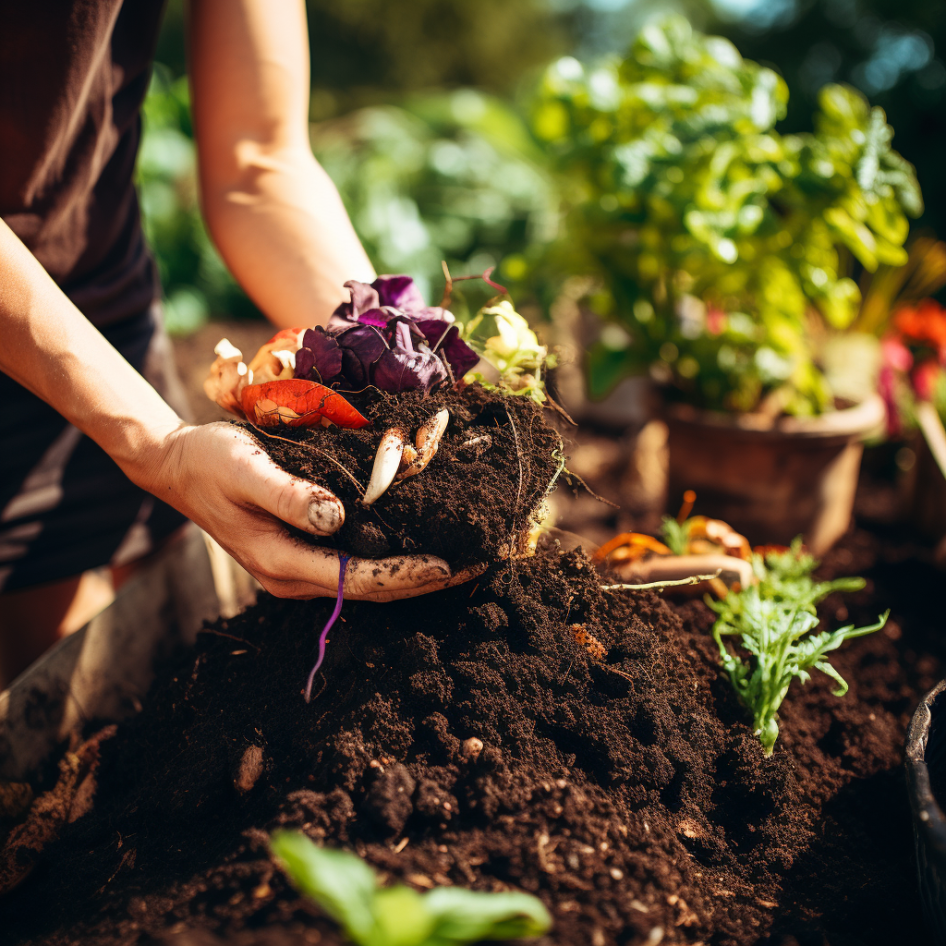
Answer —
550 402
450 280
569 475
448 286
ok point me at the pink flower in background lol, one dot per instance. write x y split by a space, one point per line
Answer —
912 358
895 360
715 320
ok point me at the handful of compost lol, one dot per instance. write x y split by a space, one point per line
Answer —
366 404
384 339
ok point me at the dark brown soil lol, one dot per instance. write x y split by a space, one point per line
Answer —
495 463
627 792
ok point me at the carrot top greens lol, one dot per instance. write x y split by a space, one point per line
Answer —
772 622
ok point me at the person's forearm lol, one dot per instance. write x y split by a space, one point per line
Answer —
50 348
271 209
284 233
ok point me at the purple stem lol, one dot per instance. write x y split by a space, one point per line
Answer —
339 601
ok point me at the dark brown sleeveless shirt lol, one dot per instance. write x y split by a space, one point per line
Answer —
73 75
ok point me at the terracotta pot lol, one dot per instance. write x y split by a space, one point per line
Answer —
772 479
926 762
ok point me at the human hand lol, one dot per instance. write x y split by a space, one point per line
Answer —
220 478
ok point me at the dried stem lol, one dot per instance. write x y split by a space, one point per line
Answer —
515 512
448 286
450 280
670 583
551 402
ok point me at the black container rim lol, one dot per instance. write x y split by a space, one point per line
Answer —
929 818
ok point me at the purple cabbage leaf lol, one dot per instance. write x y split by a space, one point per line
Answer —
386 337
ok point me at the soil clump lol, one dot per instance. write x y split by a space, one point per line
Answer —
495 464
617 778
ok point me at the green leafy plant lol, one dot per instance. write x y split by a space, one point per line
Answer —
772 622
785 575
723 249
347 890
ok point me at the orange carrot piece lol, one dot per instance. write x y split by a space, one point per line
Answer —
630 538
295 402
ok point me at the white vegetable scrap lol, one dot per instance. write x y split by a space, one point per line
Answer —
228 376
386 463
427 441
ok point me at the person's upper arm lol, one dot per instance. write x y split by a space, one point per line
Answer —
249 73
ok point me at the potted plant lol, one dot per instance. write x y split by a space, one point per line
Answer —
723 253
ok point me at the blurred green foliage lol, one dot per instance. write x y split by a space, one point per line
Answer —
715 238
452 177
894 51
369 52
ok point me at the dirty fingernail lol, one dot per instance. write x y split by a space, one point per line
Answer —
326 516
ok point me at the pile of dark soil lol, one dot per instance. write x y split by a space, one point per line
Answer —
623 788
495 464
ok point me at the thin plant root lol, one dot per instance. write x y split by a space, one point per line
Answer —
569 475
669 583
314 449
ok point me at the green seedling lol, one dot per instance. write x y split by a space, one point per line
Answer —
346 889
676 535
773 621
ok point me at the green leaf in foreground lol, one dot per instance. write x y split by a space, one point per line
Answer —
346 888
464 916
772 622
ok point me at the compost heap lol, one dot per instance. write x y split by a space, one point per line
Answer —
527 730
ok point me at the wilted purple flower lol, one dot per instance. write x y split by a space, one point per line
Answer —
386 337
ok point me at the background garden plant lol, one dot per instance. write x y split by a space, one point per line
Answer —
723 249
